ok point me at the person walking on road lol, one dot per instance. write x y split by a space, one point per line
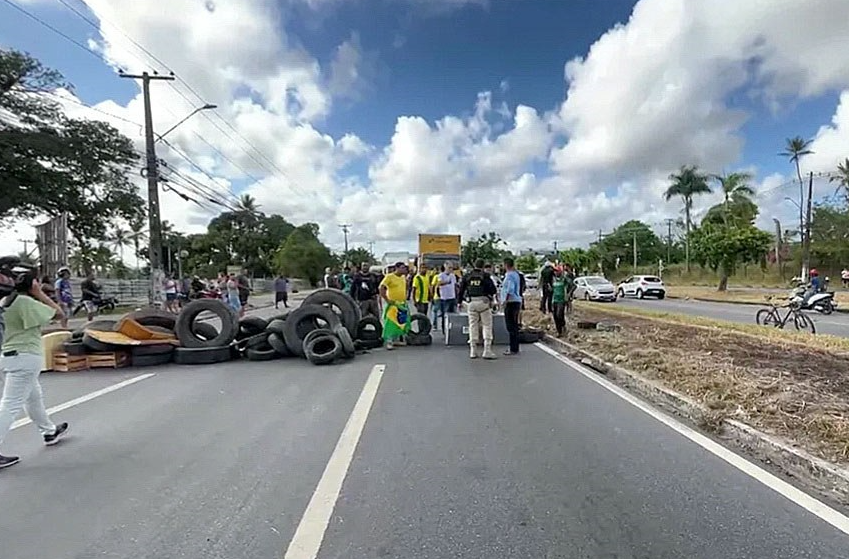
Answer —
233 299
546 282
421 290
91 294
478 286
559 295
447 294
281 291
64 295
511 298
364 291
396 314
26 311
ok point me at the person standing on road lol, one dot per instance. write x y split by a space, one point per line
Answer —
243 284
512 299
478 286
421 290
91 294
447 293
231 291
170 288
396 314
364 291
546 282
26 311
64 295
559 294
281 291
844 277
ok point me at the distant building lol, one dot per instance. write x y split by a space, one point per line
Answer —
393 257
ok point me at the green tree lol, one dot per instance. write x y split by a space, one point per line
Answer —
842 178
830 235
527 263
686 183
302 254
620 245
50 164
740 210
724 247
794 150
734 187
489 247
120 238
357 256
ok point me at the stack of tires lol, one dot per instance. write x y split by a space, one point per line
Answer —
322 330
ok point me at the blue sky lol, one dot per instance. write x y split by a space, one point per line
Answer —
423 62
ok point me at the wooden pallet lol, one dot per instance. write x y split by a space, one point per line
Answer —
64 363
110 360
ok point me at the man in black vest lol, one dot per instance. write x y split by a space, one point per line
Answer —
479 289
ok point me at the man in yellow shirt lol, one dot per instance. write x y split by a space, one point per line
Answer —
421 289
396 314
434 297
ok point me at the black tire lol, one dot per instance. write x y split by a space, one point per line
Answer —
154 317
620 294
109 306
586 325
151 360
204 330
77 335
640 294
827 308
348 309
529 336
101 325
186 320
276 326
361 345
661 296
348 349
766 317
95 345
420 325
316 333
586 295
419 340
74 348
302 321
202 355
261 354
277 342
804 323
252 325
153 349
257 341
369 328
322 350
279 317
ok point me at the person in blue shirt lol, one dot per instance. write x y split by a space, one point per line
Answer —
511 296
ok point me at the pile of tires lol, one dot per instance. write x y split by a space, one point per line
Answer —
322 330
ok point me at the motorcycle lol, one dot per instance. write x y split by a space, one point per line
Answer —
104 303
822 302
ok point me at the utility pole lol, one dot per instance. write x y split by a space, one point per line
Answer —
806 238
669 222
635 251
152 168
555 248
345 227
777 243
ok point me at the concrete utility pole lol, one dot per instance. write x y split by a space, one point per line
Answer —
777 242
154 219
669 222
806 235
635 251
345 227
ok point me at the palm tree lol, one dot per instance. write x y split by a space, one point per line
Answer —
842 177
137 226
687 183
247 204
734 187
120 238
794 150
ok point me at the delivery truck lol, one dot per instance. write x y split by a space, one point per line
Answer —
436 250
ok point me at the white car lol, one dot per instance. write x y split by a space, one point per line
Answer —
531 281
594 288
641 286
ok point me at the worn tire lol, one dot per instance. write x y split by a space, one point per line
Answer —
74 348
151 360
276 341
316 333
92 344
364 345
348 309
281 316
586 325
185 322
204 330
154 317
419 340
322 350
154 349
256 341
348 349
101 325
202 355
261 354
276 326
369 328
253 325
422 325
529 336
302 321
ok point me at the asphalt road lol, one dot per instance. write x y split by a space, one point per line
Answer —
836 324
518 458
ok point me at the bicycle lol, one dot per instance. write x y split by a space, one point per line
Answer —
772 317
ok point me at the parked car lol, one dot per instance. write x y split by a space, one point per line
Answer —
594 288
532 281
641 286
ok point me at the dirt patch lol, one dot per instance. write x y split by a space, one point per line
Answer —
778 385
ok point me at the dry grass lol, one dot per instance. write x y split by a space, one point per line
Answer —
738 295
763 378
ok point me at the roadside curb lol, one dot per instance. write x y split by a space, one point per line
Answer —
748 303
821 476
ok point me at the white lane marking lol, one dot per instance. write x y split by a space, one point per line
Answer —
812 505
307 540
85 398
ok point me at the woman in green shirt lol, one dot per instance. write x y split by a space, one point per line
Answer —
25 312
558 299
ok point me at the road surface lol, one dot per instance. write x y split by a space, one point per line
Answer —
836 324
441 457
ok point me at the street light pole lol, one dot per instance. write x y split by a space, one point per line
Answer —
207 107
